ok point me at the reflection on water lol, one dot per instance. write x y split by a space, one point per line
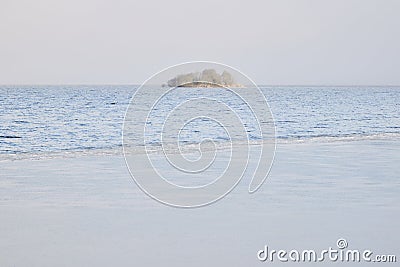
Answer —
80 118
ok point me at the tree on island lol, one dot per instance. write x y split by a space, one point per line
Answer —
206 78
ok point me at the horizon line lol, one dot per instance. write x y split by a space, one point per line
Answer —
138 84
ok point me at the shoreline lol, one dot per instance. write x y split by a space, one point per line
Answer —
105 177
172 148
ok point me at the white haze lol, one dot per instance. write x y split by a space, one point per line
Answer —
351 42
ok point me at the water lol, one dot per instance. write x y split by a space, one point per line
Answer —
45 119
318 191
60 118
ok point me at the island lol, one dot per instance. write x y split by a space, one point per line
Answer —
208 78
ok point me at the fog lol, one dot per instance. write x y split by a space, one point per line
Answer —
353 42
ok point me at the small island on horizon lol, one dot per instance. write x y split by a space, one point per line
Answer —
208 78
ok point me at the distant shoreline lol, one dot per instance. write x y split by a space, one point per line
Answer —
208 78
208 85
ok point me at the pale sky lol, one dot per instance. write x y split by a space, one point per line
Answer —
310 42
